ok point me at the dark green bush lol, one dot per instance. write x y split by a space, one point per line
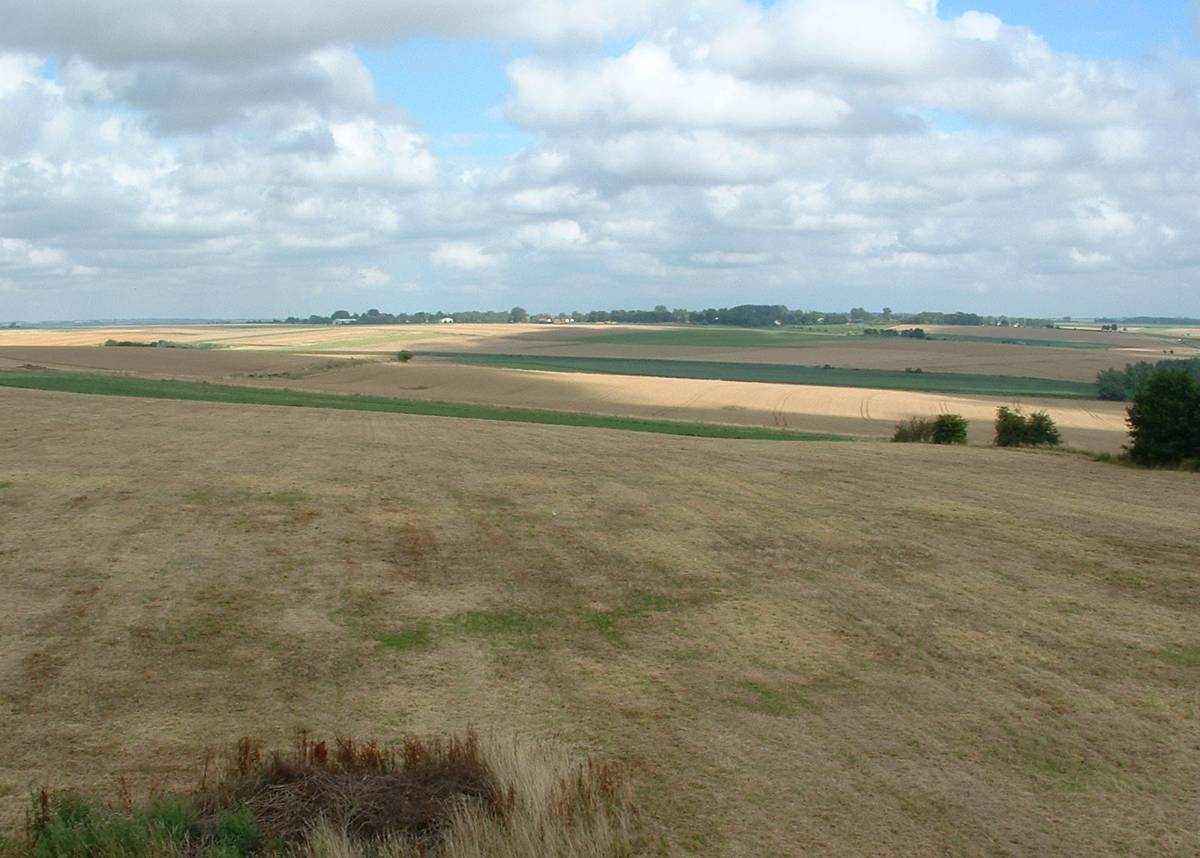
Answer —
950 429
1014 429
944 429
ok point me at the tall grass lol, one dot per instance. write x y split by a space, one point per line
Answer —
433 797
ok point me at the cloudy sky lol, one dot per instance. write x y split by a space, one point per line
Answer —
225 158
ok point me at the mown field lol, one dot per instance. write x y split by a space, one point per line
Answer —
792 648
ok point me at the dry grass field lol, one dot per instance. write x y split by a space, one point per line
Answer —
794 648
1090 425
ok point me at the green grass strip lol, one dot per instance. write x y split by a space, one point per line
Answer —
881 379
199 391
1020 341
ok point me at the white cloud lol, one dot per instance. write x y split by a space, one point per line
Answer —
229 158
462 256
645 88
552 235
373 277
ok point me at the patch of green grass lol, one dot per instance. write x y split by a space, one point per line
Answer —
791 699
519 627
1180 656
932 382
6 484
413 637
147 388
604 623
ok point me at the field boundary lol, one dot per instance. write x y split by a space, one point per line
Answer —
769 373
98 384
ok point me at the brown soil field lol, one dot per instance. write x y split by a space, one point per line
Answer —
1089 425
587 340
795 649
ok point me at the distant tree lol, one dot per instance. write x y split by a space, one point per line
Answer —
1164 419
858 314
340 314
887 314
518 314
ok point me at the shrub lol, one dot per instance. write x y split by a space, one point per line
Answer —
950 429
944 429
1164 419
404 356
914 430
1014 429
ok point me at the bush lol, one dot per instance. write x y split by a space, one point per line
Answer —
950 429
944 429
404 356
1164 419
1014 429
914 430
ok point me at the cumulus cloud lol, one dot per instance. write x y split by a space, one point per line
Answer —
190 157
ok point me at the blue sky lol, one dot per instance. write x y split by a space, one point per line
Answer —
1097 28
456 90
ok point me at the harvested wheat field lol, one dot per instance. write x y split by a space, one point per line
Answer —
791 648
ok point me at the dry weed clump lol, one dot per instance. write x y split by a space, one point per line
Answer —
432 797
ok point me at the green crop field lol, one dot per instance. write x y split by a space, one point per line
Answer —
147 388
932 382
1020 341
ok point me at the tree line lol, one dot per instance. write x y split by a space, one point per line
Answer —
1122 385
741 315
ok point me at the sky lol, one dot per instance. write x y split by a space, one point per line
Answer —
265 158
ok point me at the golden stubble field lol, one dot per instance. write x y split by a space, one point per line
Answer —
795 648
1090 425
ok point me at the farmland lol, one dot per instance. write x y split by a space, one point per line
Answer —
700 564
813 648
820 409
828 376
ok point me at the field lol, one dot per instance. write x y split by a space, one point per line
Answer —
978 351
830 376
824 409
793 637
793 648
